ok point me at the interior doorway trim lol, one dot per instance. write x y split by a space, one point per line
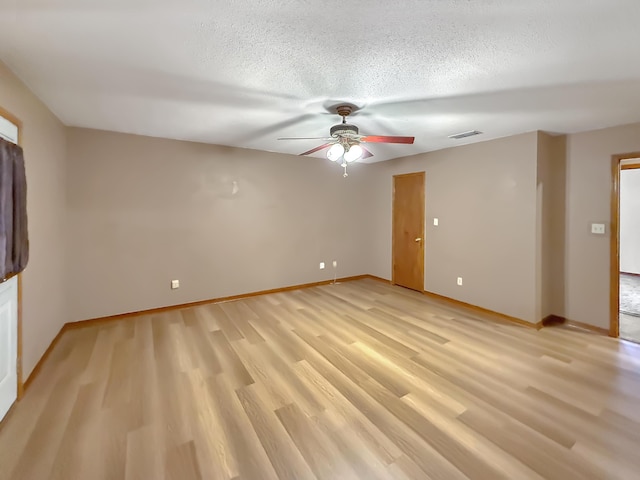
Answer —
18 123
614 278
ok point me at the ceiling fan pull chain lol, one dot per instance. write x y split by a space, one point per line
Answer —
344 165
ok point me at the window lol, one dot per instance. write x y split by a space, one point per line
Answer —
8 130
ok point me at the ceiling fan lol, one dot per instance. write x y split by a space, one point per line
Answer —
344 141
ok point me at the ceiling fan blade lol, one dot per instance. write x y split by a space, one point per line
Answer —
386 139
317 149
365 153
276 127
306 138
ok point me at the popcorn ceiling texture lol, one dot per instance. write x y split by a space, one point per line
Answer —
245 72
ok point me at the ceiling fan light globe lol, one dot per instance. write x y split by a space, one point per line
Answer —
354 153
335 152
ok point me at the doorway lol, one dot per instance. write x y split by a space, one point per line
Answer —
629 244
408 231
625 248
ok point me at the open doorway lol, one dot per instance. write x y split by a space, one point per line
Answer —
625 247
629 245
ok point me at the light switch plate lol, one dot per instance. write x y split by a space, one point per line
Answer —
435 222
598 228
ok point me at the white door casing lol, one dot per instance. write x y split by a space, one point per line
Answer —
8 315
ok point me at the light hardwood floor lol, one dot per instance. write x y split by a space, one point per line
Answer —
629 327
357 380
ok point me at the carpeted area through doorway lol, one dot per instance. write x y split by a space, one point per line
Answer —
630 307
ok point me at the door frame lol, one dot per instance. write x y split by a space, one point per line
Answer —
614 263
18 123
422 230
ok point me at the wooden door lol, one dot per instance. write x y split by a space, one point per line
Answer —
408 231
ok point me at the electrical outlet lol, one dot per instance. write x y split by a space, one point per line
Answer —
598 228
335 263
459 281
175 284
321 265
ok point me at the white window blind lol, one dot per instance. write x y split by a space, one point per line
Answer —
8 130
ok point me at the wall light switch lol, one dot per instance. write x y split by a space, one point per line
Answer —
321 265
459 281
435 222
175 284
598 228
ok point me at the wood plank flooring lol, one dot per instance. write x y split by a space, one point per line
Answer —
629 327
359 380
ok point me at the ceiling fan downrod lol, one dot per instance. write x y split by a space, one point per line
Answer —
344 111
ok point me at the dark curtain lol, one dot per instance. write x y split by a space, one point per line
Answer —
14 240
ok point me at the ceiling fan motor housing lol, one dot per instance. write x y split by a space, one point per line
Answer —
343 129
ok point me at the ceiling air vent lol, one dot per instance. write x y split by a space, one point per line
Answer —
470 133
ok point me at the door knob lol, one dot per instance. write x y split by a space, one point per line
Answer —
418 239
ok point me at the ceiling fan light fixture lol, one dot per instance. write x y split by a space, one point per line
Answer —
335 152
343 142
353 154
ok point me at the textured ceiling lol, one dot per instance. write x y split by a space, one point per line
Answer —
244 72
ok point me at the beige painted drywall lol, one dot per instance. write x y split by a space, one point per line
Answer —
551 190
630 221
589 200
144 211
44 142
484 196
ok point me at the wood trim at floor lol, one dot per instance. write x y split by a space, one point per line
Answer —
491 314
590 328
553 320
378 279
93 321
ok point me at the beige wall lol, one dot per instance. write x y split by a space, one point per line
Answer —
551 224
44 142
589 200
484 196
144 211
